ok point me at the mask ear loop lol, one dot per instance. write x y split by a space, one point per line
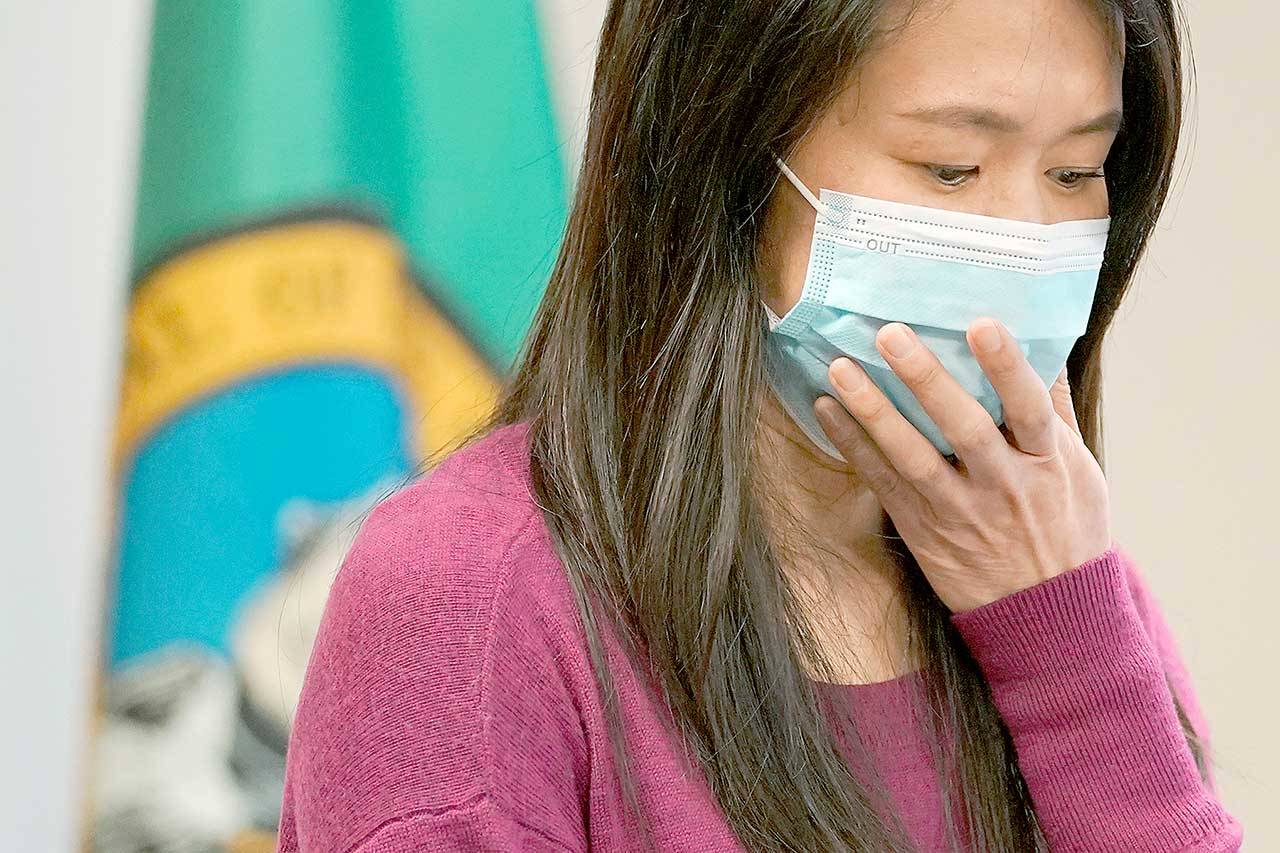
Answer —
821 207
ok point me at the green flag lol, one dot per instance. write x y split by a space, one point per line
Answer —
346 215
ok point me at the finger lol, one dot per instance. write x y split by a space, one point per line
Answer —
1028 409
911 454
964 422
1060 393
889 487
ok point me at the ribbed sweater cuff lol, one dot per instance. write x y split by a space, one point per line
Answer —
1044 629
1081 688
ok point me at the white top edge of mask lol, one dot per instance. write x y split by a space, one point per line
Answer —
840 205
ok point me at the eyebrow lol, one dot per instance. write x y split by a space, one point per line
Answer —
988 119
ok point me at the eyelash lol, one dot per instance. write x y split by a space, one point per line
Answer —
973 170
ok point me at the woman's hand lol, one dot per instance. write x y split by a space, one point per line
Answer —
1017 511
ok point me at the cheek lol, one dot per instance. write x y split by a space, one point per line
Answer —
784 257
788 283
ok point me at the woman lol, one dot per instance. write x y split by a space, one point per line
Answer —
675 598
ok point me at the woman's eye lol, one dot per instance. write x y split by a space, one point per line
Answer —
1071 178
952 176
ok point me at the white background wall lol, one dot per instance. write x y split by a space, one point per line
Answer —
71 80
1192 380
1191 392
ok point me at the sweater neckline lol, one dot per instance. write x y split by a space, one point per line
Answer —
908 680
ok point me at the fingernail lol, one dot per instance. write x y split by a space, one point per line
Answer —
899 340
986 335
826 409
847 376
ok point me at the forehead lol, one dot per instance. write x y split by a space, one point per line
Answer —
1045 60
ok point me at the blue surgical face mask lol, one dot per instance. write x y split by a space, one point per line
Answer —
874 262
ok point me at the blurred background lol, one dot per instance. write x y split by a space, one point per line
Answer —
261 256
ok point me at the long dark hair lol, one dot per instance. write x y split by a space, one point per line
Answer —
642 381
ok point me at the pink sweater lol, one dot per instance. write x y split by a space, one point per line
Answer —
449 702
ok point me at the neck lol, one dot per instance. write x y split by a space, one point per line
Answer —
828 532
822 496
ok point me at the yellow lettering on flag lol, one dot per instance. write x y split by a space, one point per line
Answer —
293 294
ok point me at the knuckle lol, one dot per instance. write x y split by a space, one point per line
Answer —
975 434
926 373
884 484
1039 420
1062 395
873 408
1042 419
895 491
925 471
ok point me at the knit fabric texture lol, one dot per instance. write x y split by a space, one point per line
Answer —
450 703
